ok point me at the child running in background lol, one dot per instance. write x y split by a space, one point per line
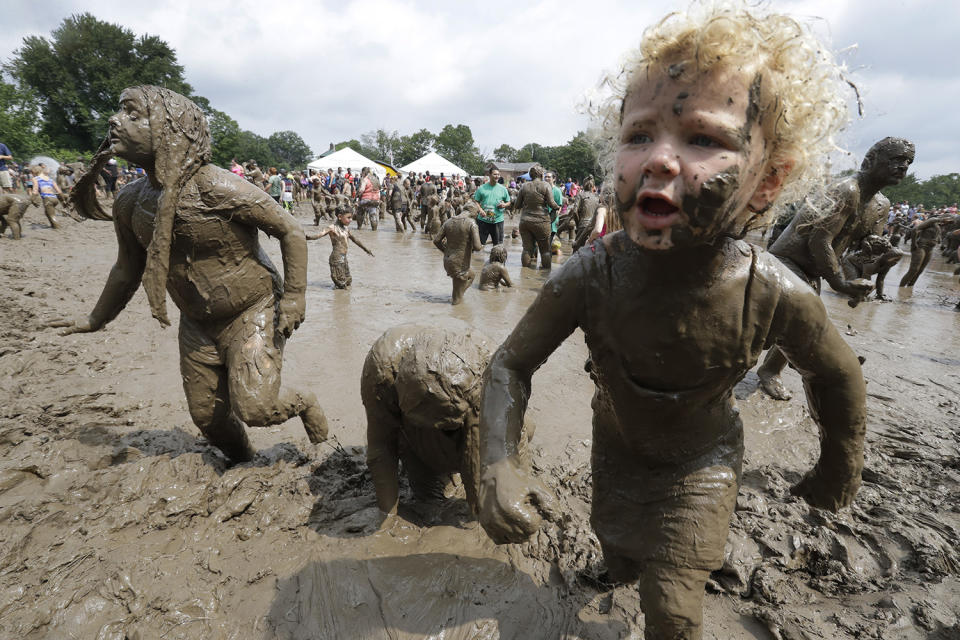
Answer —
48 191
716 115
339 233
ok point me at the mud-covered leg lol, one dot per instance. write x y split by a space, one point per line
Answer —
383 455
50 210
528 257
672 602
916 258
769 373
254 361
927 253
208 400
460 286
543 245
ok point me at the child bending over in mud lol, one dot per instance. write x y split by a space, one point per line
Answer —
339 233
716 115
494 273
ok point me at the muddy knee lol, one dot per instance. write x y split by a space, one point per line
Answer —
672 602
255 412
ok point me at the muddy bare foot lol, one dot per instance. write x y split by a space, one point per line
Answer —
315 423
772 385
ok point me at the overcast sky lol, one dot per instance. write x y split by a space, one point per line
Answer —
514 72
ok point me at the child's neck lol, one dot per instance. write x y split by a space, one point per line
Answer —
691 265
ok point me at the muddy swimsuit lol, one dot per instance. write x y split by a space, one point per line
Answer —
49 196
666 462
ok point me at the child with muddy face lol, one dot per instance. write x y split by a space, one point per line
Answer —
339 233
713 123
190 229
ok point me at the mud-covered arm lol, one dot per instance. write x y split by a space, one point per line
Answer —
511 501
240 201
357 242
822 235
505 276
316 236
835 390
475 237
929 222
125 275
441 236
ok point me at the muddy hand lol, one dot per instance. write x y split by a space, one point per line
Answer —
68 326
512 503
830 493
291 313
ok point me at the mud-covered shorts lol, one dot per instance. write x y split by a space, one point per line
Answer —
340 271
677 514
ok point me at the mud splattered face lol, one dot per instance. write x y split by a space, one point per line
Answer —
691 158
130 134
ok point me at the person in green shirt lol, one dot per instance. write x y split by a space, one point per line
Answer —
551 179
274 185
493 197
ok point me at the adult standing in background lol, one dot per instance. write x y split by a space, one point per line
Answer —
6 182
493 197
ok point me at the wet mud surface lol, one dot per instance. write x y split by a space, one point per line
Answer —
118 520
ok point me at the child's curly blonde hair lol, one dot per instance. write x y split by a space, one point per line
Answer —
801 93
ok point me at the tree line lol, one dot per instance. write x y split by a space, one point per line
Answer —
938 191
57 93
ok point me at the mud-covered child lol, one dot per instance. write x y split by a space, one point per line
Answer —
719 113
494 273
339 233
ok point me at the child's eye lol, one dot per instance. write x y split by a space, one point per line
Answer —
701 140
638 138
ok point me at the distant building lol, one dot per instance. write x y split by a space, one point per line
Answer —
510 170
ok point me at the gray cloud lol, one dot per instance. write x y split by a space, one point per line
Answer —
513 72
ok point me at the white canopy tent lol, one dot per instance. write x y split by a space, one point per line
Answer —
347 158
435 164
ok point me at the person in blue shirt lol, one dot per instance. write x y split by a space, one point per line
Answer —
6 182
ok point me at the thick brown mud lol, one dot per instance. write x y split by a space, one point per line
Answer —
118 520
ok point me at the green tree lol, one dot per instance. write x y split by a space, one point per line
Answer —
352 143
20 121
79 73
224 137
414 147
455 143
576 159
505 153
289 149
381 145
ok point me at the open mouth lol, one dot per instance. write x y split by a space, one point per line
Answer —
657 212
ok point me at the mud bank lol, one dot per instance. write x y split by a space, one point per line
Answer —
117 520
